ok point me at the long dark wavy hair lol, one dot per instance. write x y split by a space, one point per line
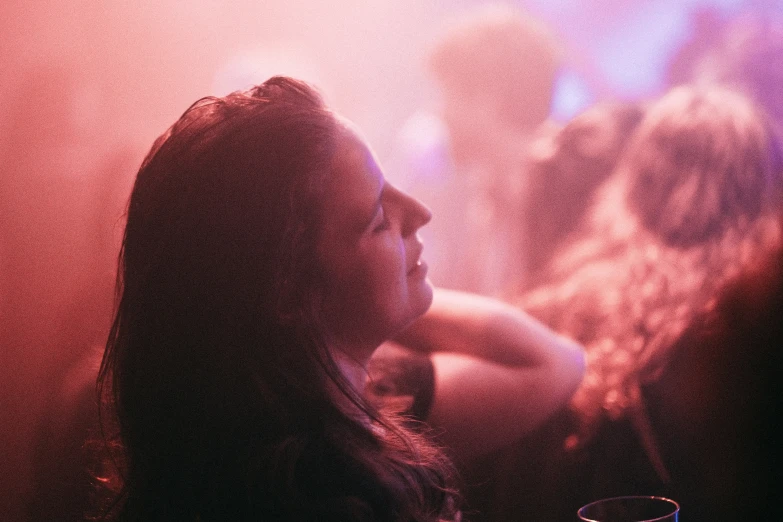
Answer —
694 204
215 376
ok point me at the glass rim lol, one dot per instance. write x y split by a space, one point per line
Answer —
674 503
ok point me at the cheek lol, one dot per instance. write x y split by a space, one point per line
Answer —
394 297
367 292
381 276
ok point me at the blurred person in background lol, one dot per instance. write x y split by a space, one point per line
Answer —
693 207
751 61
744 53
566 167
695 56
495 68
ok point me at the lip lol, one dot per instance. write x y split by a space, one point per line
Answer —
419 269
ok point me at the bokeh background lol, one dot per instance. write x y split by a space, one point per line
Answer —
86 85
142 63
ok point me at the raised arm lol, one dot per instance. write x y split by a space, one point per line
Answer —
499 373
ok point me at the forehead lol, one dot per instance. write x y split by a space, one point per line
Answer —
351 152
354 186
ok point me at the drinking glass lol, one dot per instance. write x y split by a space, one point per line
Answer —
630 509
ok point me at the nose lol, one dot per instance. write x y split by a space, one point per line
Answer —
416 214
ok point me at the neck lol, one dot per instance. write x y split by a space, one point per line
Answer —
354 371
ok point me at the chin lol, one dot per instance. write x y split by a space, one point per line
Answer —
423 298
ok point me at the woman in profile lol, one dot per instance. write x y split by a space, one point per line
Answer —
265 259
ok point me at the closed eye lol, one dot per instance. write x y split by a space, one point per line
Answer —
384 223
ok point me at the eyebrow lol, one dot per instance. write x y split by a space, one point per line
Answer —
375 208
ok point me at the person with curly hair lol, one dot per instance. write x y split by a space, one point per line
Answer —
693 206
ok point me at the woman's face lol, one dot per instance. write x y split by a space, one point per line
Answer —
369 249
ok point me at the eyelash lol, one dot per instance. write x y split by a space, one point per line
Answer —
384 225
